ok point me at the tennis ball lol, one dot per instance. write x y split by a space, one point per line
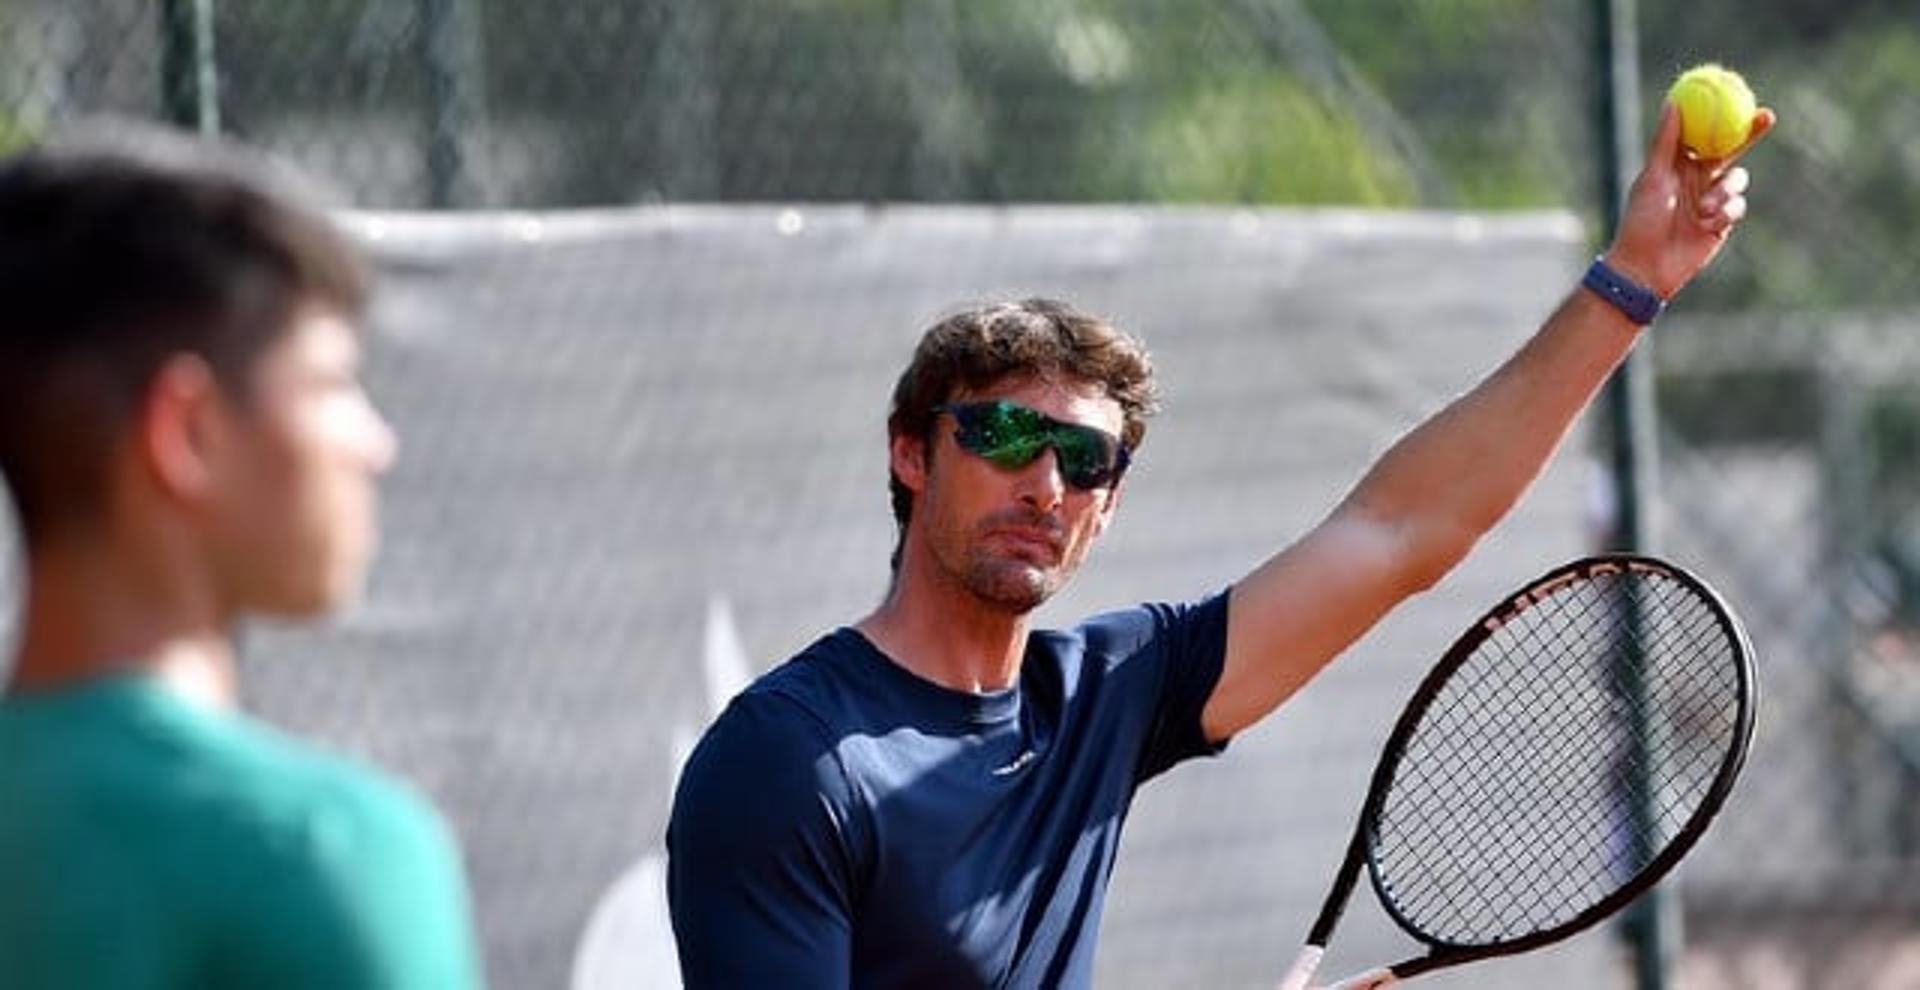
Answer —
1716 109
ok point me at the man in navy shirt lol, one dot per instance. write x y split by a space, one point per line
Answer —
932 797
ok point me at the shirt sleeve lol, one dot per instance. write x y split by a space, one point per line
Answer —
759 873
1178 650
365 889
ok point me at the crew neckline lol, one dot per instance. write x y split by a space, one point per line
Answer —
967 708
134 686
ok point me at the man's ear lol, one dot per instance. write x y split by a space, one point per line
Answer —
177 434
907 455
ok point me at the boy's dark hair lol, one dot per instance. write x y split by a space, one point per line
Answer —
1043 338
119 254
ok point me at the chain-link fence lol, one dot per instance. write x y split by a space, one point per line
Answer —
486 103
1788 378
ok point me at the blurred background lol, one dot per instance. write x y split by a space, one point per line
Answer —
650 267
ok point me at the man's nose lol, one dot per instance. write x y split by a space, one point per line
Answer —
1041 485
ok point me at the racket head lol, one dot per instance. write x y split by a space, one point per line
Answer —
1495 822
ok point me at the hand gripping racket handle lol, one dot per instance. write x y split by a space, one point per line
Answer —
1302 969
1300 974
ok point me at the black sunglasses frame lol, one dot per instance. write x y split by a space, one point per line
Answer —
971 437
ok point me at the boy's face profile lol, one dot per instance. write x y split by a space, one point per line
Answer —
290 508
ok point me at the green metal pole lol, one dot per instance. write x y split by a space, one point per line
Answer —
450 48
688 130
1651 926
189 74
1629 397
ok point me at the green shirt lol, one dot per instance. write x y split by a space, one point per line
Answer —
147 843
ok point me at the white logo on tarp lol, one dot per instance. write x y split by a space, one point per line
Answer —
628 941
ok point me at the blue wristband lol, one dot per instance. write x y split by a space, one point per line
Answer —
1639 303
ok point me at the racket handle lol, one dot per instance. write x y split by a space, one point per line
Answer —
1302 969
1368 980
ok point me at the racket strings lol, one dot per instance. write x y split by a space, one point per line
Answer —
1559 759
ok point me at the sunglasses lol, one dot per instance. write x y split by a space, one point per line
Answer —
1010 435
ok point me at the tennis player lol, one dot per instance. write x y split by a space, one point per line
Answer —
186 441
932 796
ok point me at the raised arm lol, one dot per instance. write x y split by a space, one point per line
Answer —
1424 504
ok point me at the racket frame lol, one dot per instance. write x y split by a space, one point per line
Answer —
1442 952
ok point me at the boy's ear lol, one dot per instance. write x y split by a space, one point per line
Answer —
177 434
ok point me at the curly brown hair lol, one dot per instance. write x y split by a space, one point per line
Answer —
976 349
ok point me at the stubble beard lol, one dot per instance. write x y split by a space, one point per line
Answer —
1004 581
1014 585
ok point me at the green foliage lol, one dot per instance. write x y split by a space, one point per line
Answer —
1478 104
1495 89
1266 139
14 135
1836 222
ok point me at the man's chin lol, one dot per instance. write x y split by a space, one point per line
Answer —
1016 588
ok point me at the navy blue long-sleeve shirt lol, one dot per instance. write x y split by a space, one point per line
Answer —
846 823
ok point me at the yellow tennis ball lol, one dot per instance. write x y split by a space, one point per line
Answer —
1716 109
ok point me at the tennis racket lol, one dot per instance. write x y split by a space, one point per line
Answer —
1561 757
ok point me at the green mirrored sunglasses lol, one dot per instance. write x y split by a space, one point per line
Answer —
1011 435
